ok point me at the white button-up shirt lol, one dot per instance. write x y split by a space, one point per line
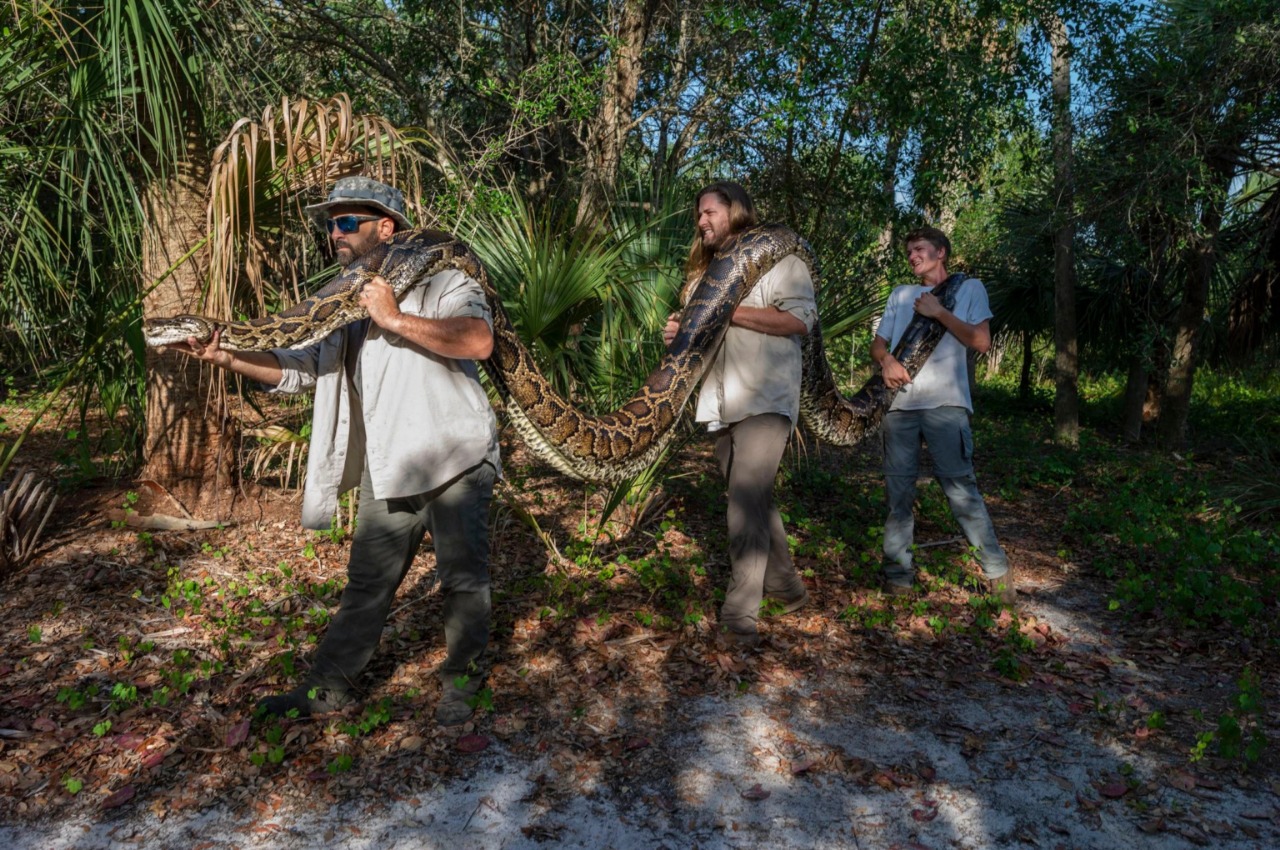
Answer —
418 419
754 372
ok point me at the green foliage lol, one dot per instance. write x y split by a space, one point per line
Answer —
341 764
97 101
371 718
1239 733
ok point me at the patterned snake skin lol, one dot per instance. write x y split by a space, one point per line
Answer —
608 447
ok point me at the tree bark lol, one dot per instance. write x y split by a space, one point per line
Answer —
1135 398
1024 375
607 136
188 448
1066 361
1200 258
889 188
1172 425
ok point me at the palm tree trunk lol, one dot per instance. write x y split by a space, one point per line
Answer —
188 449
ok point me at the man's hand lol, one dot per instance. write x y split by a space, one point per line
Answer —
929 305
669 332
895 374
379 299
210 351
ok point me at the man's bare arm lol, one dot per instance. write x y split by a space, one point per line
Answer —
895 374
459 337
257 365
768 320
975 336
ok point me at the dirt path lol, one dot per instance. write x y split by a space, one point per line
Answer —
864 758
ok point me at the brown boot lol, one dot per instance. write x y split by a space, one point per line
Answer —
795 603
458 696
1002 587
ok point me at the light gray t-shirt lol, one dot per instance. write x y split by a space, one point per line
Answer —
753 372
427 417
943 381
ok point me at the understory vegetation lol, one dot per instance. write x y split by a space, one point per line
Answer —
118 647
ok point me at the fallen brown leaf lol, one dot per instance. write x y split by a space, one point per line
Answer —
237 734
802 767
755 793
472 744
1152 826
1113 790
119 798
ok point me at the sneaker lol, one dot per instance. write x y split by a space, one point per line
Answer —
1002 587
305 700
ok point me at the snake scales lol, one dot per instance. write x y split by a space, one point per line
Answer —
608 447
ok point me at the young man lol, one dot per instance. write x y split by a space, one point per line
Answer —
400 411
750 399
936 405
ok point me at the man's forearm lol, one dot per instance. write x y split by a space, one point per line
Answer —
879 350
259 366
460 337
977 337
769 320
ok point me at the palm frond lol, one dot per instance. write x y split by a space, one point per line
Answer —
265 171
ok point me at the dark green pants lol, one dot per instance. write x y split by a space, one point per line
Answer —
388 533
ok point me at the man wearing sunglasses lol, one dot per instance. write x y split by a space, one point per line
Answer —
399 410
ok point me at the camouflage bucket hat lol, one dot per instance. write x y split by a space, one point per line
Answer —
366 192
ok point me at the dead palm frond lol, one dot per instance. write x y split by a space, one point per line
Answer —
279 450
25 506
265 171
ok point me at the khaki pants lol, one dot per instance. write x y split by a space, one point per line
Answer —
749 453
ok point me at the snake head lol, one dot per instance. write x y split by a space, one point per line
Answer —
177 329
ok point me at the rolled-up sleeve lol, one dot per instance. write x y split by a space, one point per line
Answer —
458 296
791 291
300 369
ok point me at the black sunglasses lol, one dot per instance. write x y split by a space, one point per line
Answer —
348 223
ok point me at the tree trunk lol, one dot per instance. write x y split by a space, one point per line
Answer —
1024 376
889 188
1135 397
188 449
608 134
1202 256
1066 402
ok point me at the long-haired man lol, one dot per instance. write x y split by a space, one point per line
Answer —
750 400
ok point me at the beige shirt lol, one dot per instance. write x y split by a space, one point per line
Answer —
756 373
427 417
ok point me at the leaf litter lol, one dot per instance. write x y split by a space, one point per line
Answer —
132 662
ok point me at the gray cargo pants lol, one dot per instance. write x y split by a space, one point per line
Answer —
946 430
